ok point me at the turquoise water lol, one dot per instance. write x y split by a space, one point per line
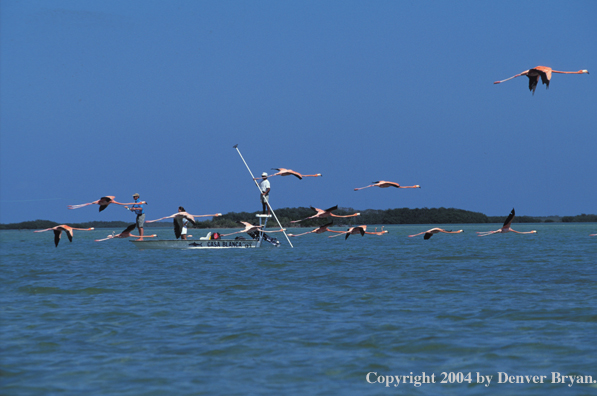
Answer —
109 319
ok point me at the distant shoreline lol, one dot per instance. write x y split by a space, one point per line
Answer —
368 216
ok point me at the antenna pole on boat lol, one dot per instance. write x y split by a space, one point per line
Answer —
267 202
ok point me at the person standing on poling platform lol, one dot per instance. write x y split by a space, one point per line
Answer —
265 188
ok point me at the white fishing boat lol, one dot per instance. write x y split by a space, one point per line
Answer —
207 242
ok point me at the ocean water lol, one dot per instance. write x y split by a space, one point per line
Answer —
328 317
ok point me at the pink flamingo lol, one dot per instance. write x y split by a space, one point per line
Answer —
103 202
290 172
592 234
506 227
67 229
318 230
352 230
248 228
429 233
251 228
324 213
540 71
178 220
126 234
185 215
386 184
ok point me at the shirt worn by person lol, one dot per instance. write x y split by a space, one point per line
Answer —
137 208
264 185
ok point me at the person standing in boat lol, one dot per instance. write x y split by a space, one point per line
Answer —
137 208
264 186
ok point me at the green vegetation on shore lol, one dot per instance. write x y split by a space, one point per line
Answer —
369 216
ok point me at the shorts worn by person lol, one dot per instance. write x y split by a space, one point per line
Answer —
137 208
264 186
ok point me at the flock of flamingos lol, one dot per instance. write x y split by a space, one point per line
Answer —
535 74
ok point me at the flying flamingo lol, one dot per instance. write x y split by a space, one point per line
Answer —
592 234
429 233
324 213
126 233
248 228
178 220
67 229
251 228
386 184
103 202
185 215
506 227
290 172
540 71
352 230
318 230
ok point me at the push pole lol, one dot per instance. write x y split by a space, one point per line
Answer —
267 201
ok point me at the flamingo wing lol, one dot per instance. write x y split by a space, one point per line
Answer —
69 234
331 209
57 235
177 227
191 219
543 73
533 80
509 219
388 184
129 229
296 174
103 202
331 223
428 235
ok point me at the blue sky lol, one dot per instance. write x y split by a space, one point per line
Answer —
113 98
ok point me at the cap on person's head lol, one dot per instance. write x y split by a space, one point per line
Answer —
264 174
135 195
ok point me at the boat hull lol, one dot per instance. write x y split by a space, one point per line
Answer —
196 244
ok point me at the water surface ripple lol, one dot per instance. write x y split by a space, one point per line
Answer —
109 319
